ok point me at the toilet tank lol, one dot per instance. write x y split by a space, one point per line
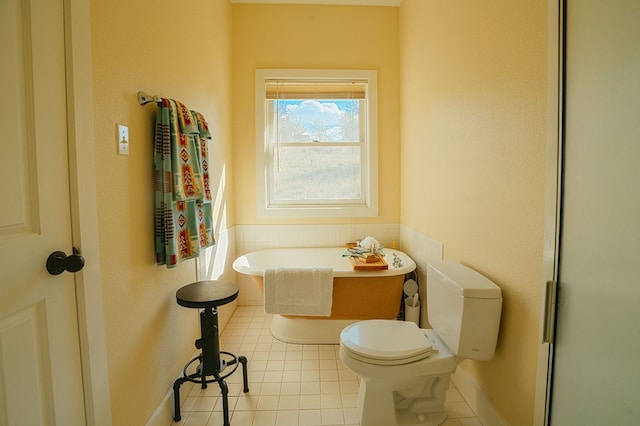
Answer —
463 308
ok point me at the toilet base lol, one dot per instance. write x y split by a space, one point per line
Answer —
419 402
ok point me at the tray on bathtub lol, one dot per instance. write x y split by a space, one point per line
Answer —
360 264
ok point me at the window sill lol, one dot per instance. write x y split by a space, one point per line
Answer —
317 212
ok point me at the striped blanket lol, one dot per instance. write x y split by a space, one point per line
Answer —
183 211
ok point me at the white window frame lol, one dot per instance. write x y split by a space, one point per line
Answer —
368 206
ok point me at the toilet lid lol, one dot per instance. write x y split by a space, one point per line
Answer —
385 342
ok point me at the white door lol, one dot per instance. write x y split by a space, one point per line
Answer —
40 375
596 378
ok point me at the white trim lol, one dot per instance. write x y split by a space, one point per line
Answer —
163 414
552 202
478 401
165 410
395 3
370 209
84 211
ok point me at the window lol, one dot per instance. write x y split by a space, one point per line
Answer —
316 143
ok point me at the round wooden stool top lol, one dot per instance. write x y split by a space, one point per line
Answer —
206 294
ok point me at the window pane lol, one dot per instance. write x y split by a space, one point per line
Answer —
317 155
316 120
317 173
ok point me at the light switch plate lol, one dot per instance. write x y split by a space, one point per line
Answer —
123 140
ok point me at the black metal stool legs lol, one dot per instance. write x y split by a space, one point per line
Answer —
211 364
245 379
225 399
176 398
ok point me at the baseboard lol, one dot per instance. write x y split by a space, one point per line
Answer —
163 416
478 401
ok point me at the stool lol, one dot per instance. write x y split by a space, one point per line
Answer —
208 295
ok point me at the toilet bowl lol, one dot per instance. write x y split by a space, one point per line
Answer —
410 386
404 370
381 342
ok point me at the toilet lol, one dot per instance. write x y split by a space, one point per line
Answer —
404 370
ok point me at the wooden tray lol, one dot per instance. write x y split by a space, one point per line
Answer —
361 265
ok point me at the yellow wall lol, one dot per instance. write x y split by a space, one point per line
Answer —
463 162
167 48
473 123
334 37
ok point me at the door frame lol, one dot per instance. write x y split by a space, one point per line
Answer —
553 191
84 211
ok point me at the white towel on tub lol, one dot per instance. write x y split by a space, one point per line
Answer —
298 291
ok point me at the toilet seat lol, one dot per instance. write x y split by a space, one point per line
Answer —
385 342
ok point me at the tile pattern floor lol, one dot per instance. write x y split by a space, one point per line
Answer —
289 385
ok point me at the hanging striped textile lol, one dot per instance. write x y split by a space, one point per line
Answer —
183 211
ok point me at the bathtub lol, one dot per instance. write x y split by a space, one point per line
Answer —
357 295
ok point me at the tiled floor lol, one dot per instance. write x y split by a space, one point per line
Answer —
289 385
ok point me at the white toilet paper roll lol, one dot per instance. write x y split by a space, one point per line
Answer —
412 313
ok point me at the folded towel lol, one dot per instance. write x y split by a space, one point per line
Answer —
298 291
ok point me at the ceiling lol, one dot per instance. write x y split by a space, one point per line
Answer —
326 2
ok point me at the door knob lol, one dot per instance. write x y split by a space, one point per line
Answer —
58 262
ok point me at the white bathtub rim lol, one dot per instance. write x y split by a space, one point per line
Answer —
341 265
